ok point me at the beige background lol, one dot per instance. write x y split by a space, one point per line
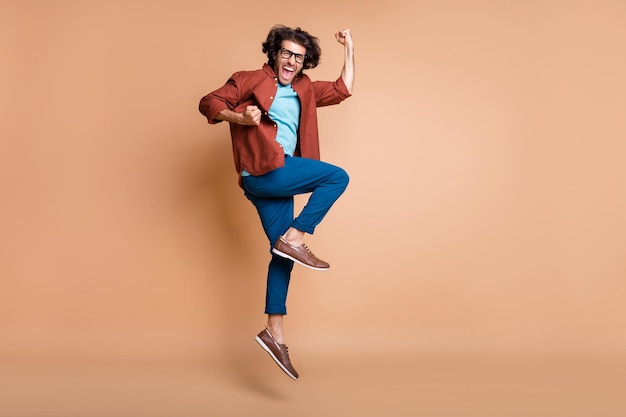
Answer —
478 254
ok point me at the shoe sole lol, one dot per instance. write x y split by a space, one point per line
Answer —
284 255
268 350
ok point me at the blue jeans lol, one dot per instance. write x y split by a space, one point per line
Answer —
273 196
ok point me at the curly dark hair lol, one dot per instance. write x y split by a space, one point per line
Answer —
280 33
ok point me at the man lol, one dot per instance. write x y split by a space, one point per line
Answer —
273 125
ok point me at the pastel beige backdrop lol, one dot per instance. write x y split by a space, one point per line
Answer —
484 219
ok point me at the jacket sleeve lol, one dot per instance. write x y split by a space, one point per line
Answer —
328 93
225 97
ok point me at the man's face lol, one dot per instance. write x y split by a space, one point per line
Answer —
287 68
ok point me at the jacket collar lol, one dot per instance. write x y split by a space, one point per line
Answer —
269 70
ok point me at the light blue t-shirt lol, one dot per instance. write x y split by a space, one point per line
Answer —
285 112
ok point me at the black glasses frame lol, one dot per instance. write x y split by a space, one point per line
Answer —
286 54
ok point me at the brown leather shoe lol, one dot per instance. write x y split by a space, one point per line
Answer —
300 254
277 351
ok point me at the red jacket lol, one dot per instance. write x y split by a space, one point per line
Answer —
255 148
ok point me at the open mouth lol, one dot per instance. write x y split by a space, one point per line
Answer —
287 72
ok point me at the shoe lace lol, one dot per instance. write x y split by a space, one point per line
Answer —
306 248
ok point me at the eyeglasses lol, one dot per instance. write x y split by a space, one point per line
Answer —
286 53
